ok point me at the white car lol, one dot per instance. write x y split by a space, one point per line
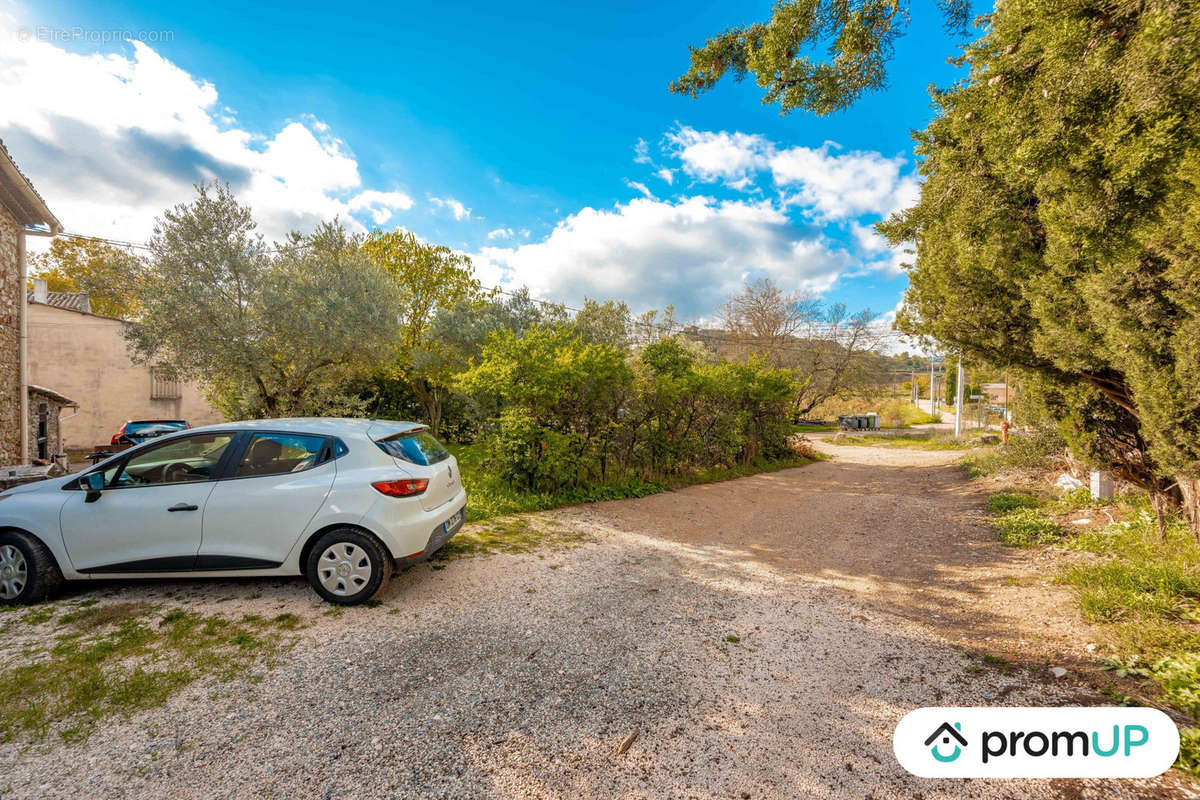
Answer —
343 502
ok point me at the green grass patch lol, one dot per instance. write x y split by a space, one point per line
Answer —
1142 588
94 616
1141 578
1117 589
920 441
1026 527
509 535
1003 502
489 497
118 659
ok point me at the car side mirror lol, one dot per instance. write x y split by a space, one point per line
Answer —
93 483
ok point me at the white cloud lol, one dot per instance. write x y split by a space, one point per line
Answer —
456 208
641 152
500 233
667 175
831 184
840 185
112 140
380 205
639 187
709 156
878 255
694 253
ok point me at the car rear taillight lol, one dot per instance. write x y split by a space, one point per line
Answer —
404 487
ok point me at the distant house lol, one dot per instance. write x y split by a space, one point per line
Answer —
23 213
84 355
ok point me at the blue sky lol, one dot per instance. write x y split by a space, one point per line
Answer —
541 139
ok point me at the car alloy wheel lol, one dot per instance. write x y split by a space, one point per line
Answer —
14 572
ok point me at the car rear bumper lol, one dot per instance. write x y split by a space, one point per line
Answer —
408 535
438 538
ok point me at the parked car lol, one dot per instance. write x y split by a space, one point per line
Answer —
343 502
136 431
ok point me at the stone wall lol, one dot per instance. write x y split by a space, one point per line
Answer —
52 411
12 297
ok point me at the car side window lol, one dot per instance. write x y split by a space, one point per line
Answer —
186 460
277 453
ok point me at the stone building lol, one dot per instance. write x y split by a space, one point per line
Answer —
22 213
84 356
45 425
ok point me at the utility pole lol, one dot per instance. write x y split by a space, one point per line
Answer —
932 408
958 398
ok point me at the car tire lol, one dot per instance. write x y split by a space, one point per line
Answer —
28 571
347 567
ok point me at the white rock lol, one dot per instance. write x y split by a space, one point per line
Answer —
1057 672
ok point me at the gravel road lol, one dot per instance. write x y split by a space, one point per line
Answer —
760 636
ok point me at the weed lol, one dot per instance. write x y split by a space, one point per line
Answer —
999 662
36 616
1024 451
117 662
287 621
1025 527
1189 750
732 639
1002 502
96 616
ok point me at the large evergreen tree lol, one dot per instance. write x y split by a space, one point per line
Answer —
1058 230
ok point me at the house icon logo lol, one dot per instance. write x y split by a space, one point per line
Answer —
945 733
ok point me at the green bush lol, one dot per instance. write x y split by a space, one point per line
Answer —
579 414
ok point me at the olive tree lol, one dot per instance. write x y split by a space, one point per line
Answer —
271 331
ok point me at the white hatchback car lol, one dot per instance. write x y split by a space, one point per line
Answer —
343 502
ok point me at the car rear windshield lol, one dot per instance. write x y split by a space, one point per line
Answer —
416 447
155 428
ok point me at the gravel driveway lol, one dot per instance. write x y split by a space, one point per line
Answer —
761 637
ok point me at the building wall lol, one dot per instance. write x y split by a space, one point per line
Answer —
84 357
12 295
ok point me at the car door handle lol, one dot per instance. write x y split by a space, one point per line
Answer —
183 507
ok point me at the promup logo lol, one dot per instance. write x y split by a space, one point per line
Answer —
947 732
1100 742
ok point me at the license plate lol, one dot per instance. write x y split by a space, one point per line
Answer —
455 520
